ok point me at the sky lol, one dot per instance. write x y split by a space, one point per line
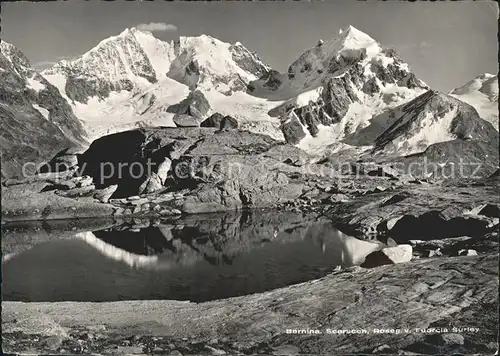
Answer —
445 43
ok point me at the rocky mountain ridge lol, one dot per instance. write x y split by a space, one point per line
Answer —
431 118
36 122
345 83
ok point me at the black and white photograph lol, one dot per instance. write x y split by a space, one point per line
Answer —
249 177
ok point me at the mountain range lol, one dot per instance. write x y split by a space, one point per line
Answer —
348 94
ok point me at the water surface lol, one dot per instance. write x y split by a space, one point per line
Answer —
195 258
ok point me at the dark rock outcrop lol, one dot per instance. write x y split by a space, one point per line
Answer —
195 104
113 156
383 171
224 170
183 120
220 121
292 128
247 60
455 246
271 80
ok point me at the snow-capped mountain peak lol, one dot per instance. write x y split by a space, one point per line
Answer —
16 58
133 78
336 87
352 38
207 63
126 37
479 83
136 59
351 49
130 59
482 93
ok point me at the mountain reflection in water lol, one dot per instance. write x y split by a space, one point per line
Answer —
195 258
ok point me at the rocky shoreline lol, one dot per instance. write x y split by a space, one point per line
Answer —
440 300
202 170
369 208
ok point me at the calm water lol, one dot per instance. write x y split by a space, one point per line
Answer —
198 258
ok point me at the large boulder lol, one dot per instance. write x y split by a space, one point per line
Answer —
389 255
220 122
182 120
292 128
222 169
129 158
62 161
195 104
213 121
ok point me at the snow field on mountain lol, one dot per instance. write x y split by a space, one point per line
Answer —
35 84
430 130
482 93
44 112
251 112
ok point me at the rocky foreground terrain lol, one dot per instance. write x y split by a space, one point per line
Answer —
203 169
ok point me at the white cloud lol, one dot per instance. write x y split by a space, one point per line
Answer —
41 65
156 26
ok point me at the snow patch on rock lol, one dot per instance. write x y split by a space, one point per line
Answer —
35 84
44 112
